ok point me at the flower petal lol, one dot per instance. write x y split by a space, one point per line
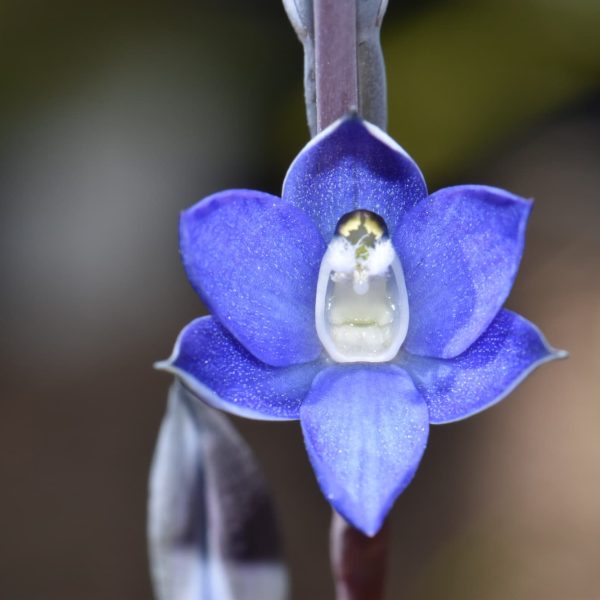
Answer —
353 164
460 250
487 372
365 429
254 260
220 371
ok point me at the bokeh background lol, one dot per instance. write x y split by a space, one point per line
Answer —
115 115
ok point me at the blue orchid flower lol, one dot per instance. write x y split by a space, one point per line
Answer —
358 304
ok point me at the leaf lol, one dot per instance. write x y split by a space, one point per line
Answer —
211 526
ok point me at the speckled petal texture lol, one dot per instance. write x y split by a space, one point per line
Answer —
351 165
489 370
254 260
221 372
365 430
460 250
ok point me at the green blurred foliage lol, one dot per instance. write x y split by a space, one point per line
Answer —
465 75
51 50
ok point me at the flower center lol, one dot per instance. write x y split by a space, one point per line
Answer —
361 305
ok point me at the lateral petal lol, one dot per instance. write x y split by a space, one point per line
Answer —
254 260
460 250
509 350
220 371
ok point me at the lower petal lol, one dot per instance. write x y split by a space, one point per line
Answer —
487 372
365 430
220 371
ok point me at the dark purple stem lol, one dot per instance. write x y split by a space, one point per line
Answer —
336 65
358 562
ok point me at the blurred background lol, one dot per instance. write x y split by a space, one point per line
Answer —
114 116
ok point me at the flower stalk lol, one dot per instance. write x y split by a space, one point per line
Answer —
347 71
358 562
336 66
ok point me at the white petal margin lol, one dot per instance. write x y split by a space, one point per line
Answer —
216 368
211 530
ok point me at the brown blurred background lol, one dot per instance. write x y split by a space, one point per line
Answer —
116 115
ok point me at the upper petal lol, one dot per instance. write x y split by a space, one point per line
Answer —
353 164
217 368
365 429
487 372
460 250
254 260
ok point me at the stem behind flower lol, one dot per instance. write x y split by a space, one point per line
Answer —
343 61
358 562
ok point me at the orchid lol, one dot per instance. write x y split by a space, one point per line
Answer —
358 304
